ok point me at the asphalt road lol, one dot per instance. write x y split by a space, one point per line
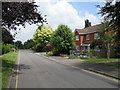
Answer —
39 72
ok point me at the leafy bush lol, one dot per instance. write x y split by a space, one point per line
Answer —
50 53
6 48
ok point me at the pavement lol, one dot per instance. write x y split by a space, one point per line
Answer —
97 67
36 71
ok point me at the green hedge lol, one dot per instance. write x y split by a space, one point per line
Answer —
6 48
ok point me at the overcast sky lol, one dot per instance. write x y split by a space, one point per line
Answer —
59 12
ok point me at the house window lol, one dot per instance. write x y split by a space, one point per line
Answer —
77 38
96 36
87 37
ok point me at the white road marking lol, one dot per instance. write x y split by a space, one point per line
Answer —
17 76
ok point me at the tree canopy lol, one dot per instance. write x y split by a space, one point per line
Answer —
87 23
7 38
111 13
42 36
18 44
28 44
19 13
62 39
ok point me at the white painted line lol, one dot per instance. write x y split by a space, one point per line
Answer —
18 63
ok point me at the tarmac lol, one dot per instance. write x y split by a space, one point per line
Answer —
100 68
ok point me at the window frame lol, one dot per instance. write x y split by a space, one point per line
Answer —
77 37
87 37
96 36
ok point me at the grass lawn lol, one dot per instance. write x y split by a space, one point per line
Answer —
8 61
101 60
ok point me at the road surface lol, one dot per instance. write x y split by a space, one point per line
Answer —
39 72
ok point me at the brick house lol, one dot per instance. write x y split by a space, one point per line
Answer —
83 38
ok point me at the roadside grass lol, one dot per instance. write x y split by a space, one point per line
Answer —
8 61
101 60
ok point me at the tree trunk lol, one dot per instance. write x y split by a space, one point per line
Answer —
108 50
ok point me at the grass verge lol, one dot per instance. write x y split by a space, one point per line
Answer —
101 60
8 61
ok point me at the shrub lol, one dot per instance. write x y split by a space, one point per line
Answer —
50 53
6 48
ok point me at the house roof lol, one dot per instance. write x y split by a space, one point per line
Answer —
88 30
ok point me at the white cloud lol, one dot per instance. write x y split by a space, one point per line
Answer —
58 12
64 13
70 0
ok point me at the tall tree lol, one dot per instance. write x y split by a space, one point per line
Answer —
7 38
62 39
19 44
107 37
28 44
42 36
111 13
19 13
87 23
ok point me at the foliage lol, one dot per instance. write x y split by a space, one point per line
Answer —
111 13
87 23
50 53
62 40
28 44
6 48
19 44
42 37
7 38
19 13
95 43
107 36
91 53
8 61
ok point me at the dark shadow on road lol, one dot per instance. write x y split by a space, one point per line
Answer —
19 67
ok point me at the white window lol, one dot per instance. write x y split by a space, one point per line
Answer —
77 38
96 36
87 37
